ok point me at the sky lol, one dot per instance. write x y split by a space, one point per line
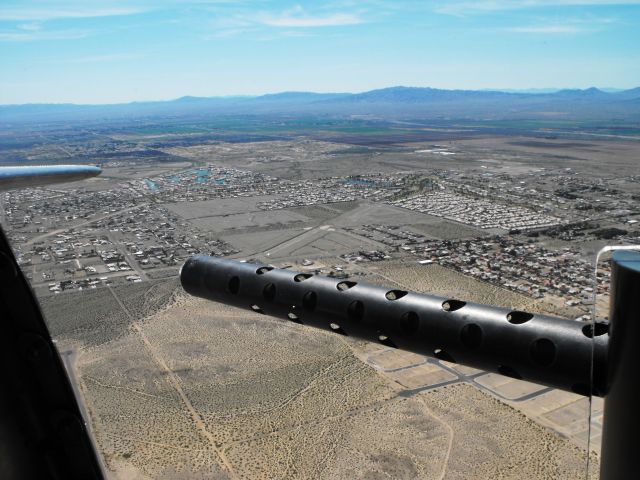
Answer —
111 51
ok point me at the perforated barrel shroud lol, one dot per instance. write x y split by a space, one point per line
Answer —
538 348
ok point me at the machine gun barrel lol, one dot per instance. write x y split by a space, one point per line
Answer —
537 348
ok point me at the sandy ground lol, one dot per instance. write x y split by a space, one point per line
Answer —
200 390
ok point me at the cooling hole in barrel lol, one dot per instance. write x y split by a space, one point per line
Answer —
337 328
409 323
234 285
395 294
342 286
543 352
516 317
440 354
309 301
599 328
452 305
471 335
269 292
384 339
355 311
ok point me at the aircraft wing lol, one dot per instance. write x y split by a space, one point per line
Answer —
34 176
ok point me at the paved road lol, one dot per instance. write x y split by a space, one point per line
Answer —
81 224
460 378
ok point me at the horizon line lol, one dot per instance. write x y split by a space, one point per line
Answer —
528 91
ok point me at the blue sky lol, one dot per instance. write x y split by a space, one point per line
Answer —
89 51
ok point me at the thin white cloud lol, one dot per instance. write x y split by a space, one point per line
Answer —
33 36
30 27
304 21
110 57
229 33
548 29
295 22
567 26
43 14
466 7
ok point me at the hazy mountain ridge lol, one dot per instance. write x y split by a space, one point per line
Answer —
397 101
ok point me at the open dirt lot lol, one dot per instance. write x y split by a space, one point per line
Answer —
600 157
513 155
182 388
193 389
232 214
218 207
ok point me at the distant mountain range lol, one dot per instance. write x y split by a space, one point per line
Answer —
393 102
